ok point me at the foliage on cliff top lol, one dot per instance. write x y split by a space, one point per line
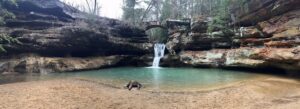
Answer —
4 13
221 19
7 39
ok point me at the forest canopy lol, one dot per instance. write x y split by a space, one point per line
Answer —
159 10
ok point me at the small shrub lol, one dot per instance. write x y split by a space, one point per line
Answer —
5 14
2 50
2 22
6 39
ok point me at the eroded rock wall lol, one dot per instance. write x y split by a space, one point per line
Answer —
32 63
249 12
269 41
285 58
55 31
51 27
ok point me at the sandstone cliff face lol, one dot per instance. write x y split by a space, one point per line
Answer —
285 58
249 12
51 28
269 40
37 64
196 39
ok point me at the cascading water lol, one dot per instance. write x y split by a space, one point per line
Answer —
242 29
159 52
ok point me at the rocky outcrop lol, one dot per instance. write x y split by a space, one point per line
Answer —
286 25
50 27
38 64
196 38
270 38
285 58
250 12
56 32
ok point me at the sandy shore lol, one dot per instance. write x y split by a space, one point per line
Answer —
269 93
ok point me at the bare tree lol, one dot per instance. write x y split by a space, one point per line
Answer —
90 6
95 10
150 5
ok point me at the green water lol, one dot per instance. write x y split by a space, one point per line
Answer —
157 79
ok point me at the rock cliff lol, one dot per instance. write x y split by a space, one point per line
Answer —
270 37
53 30
249 12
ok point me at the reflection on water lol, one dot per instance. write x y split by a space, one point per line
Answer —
153 79
156 79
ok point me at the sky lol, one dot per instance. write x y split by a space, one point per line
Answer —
110 8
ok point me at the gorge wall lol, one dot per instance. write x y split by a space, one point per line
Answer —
54 37
269 37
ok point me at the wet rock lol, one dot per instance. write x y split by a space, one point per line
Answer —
9 73
172 61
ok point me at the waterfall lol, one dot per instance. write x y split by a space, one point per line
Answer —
159 52
242 29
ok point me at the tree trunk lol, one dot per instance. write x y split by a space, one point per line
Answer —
95 7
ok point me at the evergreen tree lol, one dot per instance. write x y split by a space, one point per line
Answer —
166 10
5 14
129 10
